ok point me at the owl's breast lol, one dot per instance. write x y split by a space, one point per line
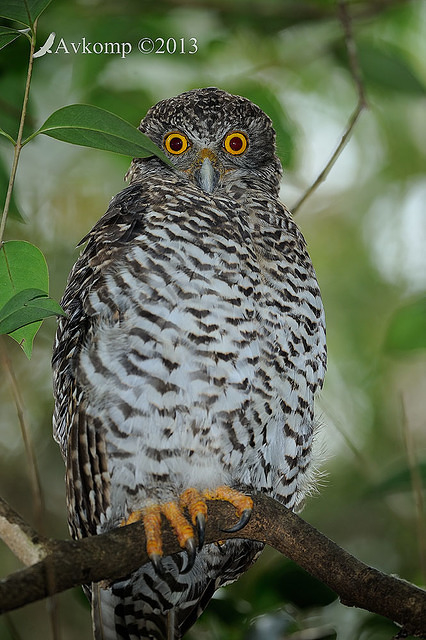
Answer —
179 317
197 349
171 366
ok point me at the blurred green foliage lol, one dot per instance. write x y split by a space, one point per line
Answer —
366 231
407 329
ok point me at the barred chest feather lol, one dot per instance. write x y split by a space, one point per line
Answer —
208 349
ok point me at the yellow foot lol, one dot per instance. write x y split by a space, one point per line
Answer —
194 502
242 503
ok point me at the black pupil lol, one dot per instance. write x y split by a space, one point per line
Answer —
176 144
235 143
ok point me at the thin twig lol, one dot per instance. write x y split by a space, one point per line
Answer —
18 145
36 489
354 66
330 164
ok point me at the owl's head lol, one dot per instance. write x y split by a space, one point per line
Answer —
216 139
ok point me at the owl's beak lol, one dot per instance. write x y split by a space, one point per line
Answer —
207 175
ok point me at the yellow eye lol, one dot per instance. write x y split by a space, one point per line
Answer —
235 143
176 143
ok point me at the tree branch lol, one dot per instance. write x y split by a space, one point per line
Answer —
24 542
71 563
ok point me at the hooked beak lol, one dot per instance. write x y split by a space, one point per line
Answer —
207 175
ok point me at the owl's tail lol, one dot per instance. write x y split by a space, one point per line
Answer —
103 616
116 618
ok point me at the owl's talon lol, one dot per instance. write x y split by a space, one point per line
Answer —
195 504
157 563
191 553
242 503
201 529
245 517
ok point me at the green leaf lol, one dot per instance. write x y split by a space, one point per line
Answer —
26 307
387 68
25 11
23 266
93 127
8 35
407 328
384 67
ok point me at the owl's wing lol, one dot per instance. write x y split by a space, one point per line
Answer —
81 440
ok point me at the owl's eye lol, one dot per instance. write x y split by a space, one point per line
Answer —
235 143
176 143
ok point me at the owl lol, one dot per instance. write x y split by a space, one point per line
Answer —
187 364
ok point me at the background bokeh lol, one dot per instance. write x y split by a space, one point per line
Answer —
366 231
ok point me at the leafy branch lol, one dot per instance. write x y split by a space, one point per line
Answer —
24 279
59 565
18 143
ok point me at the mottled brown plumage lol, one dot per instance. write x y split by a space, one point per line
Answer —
193 347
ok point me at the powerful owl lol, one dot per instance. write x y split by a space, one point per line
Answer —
188 361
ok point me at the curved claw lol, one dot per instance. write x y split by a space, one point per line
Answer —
245 517
201 529
157 563
191 552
